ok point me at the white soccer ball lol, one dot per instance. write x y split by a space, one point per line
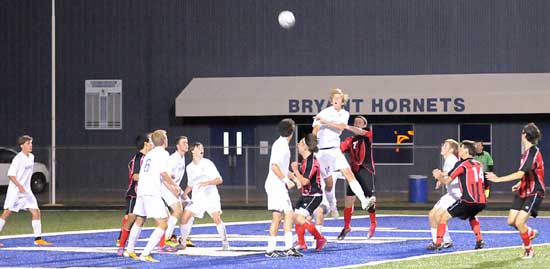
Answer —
286 19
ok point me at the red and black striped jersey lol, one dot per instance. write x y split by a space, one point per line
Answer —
310 170
469 174
532 181
133 168
360 151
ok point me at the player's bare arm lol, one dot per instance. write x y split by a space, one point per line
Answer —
511 177
316 129
213 182
169 183
338 126
299 177
275 168
355 130
135 177
16 182
441 176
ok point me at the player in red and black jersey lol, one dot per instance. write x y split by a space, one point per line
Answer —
143 145
469 174
361 161
529 190
309 178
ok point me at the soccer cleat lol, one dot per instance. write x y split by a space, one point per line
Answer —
528 254
118 242
167 249
274 254
120 252
343 233
147 258
131 255
533 233
320 244
42 242
293 252
188 243
480 244
433 246
225 245
447 244
334 213
169 242
368 203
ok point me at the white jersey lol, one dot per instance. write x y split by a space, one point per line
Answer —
329 137
453 188
280 155
203 171
177 164
21 168
150 180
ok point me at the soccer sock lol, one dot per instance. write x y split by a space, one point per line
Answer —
288 240
124 220
312 230
171 224
300 233
331 198
440 232
526 239
447 236
221 231
319 227
372 228
476 229
434 234
123 236
2 223
357 190
134 235
36 227
155 237
188 227
271 243
162 242
348 212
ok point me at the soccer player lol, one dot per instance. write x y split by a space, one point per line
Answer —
448 150
529 190
153 173
469 174
486 160
203 177
309 178
328 125
361 160
143 146
276 186
19 195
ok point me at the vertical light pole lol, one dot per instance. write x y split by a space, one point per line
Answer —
52 158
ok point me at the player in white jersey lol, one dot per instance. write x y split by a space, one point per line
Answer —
328 125
154 172
449 149
276 187
177 165
19 195
202 179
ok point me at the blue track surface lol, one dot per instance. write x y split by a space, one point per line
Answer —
406 236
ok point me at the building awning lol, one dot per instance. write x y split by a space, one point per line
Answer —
369 95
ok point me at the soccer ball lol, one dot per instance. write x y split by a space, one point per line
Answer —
286 19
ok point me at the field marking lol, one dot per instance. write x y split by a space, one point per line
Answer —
427 256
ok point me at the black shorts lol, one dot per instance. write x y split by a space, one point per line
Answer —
309 203
464 210
528 204
366 180
130 204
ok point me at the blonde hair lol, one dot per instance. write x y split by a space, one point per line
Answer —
453 144
338 91
159 137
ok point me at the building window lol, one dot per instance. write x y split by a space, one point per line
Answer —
393 143
476 132
103 105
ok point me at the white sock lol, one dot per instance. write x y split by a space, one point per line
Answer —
331 198
289 240
271 243
133 237
171 224
447 236
221 231
153 241
186 228
36 228
357 190
319 228
434 234
2 223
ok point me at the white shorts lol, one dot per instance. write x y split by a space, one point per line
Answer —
204 205
445 202
277 197
150 206
16 201
331 160
169 198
